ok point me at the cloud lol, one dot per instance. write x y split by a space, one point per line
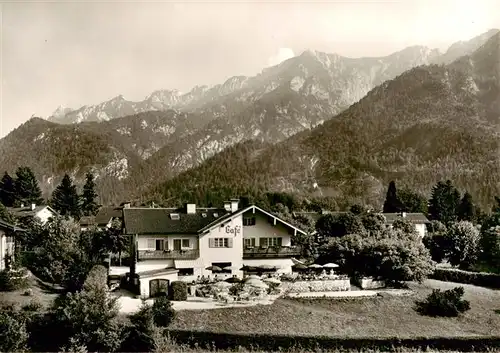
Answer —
282 55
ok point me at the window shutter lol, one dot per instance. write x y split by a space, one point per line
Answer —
229 242
165 244
280 241
211 242
252 241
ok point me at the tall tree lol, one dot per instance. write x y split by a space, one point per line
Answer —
27 188
444 202
412 201
392 203
7 190
89 197
467 210
65 199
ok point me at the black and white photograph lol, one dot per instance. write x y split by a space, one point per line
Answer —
250 176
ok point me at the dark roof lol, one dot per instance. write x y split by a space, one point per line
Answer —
27 211
418 218
87 221
106 213
8 226
159 271
158 221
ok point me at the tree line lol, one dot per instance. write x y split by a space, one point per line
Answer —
23 189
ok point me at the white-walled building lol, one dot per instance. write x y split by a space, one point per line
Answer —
7 243
173 243
418 219
40 212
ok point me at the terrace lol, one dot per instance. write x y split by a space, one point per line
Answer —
271 252
188 254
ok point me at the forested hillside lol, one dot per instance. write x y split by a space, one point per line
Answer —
429 124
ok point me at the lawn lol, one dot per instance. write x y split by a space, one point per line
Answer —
40 294
386 316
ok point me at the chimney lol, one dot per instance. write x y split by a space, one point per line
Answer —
191 208
227 206
234 205
126 205
33 206
403 214
22 205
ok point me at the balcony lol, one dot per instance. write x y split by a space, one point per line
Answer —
190 254
271 252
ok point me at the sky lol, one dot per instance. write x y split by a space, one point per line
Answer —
73 53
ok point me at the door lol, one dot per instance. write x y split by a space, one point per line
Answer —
177 244
158 287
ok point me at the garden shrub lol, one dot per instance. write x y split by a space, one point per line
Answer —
13 333
163 312
448 303
10 282
97 278
178 291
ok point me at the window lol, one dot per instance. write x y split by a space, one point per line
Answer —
174 216
160 244
249 221
220 243
151 244
266 242
186 272
186 243
249 242
9 239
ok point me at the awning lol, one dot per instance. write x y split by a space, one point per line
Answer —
197 263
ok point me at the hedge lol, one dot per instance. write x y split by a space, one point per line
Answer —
266 342
482 279
178 291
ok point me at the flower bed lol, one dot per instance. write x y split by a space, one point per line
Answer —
341 284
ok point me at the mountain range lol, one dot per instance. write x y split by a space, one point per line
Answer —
297 111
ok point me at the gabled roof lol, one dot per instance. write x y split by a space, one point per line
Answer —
142 220
8 226
107 213
243 210
27 211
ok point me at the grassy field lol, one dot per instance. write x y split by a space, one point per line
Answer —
386 316
40 294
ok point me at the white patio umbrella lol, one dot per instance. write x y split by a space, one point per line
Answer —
253 277
315 266
330 265
272 280
260 285
223 284
231 268
253 282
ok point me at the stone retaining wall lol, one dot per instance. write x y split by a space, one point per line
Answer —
320 286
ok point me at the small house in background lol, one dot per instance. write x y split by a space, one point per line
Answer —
418 219
40 212
103 219
7 243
